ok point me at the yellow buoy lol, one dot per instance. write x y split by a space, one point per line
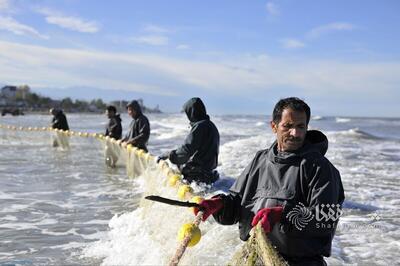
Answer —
129 147
140 153
196 199
191 230
183 190
173 179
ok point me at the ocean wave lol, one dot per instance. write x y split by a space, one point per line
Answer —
260 124
348 204
357 133
342 120
317 117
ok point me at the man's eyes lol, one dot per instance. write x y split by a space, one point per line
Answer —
288 126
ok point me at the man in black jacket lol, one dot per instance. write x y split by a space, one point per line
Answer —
198 156
139 129
114 128
59 120
291 189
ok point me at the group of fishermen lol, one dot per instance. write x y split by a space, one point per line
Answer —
197 158
284 186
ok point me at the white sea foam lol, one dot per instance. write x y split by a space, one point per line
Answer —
260 124
342 120
317 117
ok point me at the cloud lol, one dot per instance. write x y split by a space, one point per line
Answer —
69 22
272 9
73 23
155 29
336 26
11 25
156 40
4 5
182 47
292 44
258 75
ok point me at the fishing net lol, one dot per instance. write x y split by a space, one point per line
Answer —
258 250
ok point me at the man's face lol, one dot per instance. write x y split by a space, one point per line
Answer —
291 130
109 113
131 112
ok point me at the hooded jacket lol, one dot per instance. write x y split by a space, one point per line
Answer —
139 128
114 128
201 146
288 179
59 120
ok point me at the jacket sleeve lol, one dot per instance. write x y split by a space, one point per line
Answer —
118 131
230 213
115 130
323 196
60 122
144 132
55 123
189 147
233 209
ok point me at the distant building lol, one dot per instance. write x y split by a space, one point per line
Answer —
22 92
3 101
9 92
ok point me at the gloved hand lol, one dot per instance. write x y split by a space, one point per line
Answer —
209 207
268 216
163 156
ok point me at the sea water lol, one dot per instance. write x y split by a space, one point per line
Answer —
65 207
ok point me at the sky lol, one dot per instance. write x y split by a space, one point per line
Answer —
342 57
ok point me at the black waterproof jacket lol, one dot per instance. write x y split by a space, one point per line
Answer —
139 128
59 120
114 128
289 179
199 153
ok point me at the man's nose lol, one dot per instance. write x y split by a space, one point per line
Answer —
295 132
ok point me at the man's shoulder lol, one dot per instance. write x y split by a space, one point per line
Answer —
202 124
143 118
316 159
261 154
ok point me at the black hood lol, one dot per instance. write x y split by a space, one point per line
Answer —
57 112
315 141
135 106
118 117
195 110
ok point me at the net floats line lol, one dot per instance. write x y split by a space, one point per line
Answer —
189 234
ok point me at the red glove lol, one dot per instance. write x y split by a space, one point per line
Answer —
209 207
268 217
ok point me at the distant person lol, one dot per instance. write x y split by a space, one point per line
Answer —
197 158
287 188
59 120
114 128
139 129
